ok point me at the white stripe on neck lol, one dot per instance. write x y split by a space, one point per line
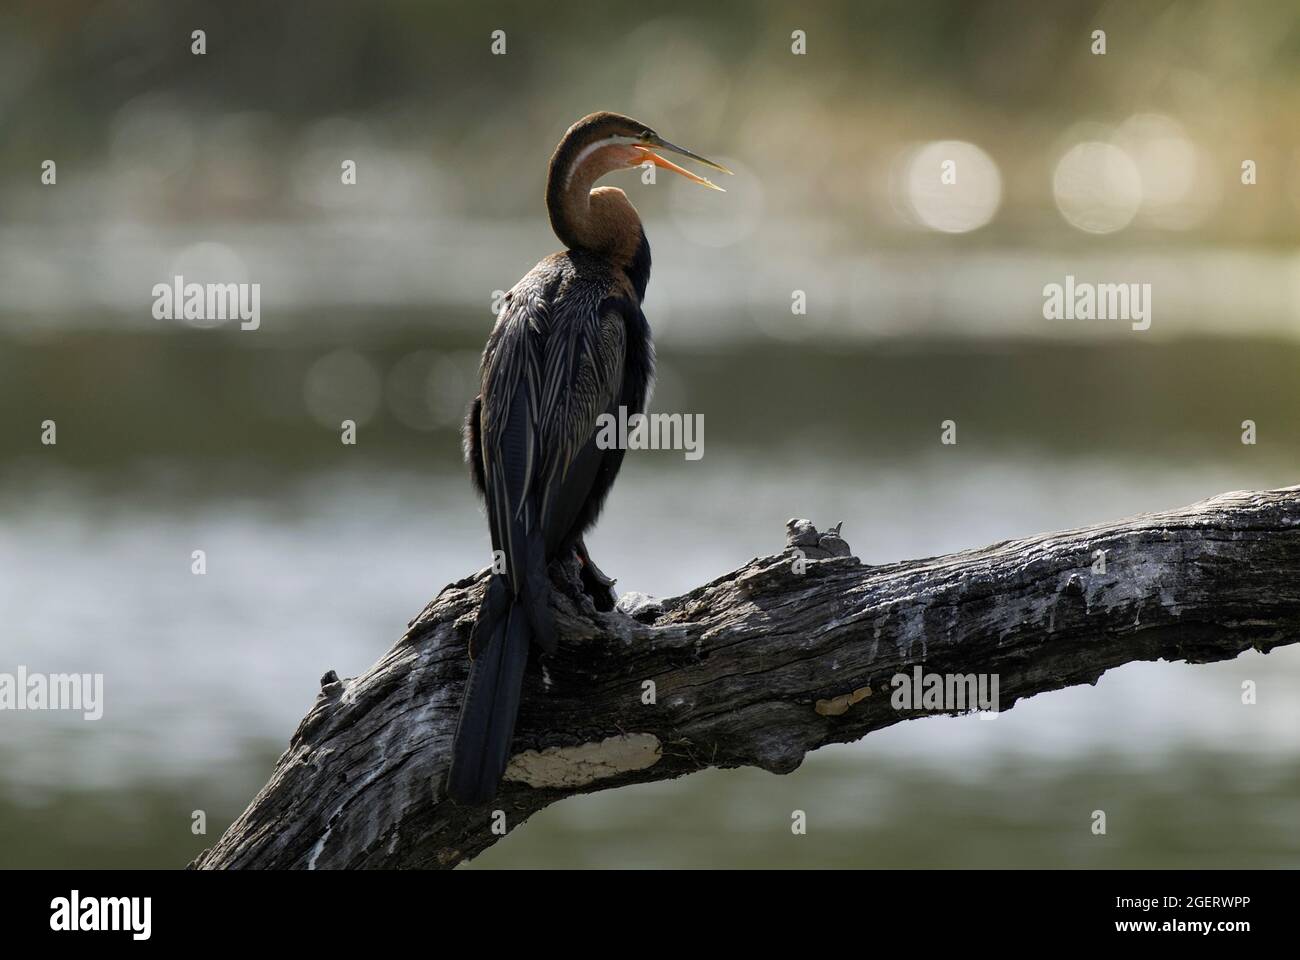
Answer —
591 148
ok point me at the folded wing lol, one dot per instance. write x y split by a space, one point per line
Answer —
553 365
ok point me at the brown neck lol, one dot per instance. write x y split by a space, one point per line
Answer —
603 220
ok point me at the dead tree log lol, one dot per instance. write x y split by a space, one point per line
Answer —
758 668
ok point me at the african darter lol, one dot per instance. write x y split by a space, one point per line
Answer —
570 343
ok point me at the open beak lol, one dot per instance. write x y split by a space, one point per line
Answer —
658 161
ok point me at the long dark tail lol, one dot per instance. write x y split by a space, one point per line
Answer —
487 715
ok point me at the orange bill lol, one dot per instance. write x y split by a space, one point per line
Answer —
650 156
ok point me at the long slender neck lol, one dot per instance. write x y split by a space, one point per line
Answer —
602 221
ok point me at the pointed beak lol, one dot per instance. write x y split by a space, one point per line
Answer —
659 161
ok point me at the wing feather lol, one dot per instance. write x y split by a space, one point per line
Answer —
553 365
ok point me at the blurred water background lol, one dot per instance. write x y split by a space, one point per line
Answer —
923 304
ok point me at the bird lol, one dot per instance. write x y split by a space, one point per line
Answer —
570 344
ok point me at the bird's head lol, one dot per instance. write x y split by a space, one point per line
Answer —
603 142
603 220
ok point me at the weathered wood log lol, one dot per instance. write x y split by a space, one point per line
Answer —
773 660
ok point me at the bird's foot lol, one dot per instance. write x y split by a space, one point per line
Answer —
594 582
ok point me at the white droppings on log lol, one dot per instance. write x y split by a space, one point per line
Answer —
575 766
318 848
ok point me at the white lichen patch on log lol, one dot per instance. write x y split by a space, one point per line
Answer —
837 706
575 766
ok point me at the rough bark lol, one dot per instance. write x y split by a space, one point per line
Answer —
757 668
